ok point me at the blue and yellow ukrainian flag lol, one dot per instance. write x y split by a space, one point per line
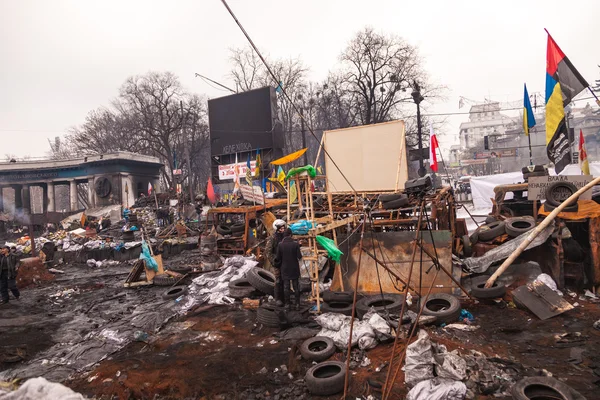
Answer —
528 117
563 82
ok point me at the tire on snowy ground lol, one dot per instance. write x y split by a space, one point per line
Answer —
175 292
543 387
443 306
478 288
326 378
164 280
318 348
261 280
390 302
240 288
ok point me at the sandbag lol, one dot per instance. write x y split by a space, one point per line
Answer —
419 360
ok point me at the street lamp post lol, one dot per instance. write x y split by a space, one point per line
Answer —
418 98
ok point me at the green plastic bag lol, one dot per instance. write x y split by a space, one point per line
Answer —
308 168
332 251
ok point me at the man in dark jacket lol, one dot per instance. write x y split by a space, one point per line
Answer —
271 250
8 274
288 256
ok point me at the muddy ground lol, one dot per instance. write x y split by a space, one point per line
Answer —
219 352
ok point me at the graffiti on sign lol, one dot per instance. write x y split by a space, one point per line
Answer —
252 193
227 171
537 185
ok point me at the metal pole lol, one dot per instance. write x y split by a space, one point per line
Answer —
530 155
303 135
569 136
419 134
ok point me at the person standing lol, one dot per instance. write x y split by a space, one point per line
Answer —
8 274
271 249
289 256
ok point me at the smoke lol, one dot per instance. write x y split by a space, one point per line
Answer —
16 215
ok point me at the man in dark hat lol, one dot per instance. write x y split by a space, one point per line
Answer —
288 256
8 274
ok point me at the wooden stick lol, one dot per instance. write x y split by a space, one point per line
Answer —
362 234
534 233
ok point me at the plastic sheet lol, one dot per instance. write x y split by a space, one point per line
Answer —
213 287
332 250
301 227
479 265
308 169
450 365
419 361
438 389
337 327
147 258
41 389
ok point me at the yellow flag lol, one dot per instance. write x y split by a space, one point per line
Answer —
289 158
281 176
293 196
258 166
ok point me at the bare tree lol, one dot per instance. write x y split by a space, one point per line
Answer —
152 115
380 70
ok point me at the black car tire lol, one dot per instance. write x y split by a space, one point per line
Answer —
543 387
466 242
238 228
443 306
326 378
261 280
571 208
517 226
164 280
474 238
318 348
491 231
240 288
223 230
344 297
390 302
268 315
175 292
394 204
490 220
339 307
478 289
551 196
181 269
384 198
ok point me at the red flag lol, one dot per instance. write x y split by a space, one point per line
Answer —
584 164
149 188
433 146
210 192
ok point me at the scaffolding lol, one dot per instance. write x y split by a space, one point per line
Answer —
301 207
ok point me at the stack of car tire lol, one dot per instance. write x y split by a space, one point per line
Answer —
554 198
393 201
210 259
533 171
237 229
492 229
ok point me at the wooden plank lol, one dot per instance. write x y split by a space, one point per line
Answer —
333 225
541 300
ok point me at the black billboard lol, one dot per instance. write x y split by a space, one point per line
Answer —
243 122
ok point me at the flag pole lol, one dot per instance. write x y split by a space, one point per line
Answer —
594 94
155 197
530 154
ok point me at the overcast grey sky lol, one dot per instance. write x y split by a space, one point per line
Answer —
59 59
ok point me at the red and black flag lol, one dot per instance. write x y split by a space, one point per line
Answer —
563 82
